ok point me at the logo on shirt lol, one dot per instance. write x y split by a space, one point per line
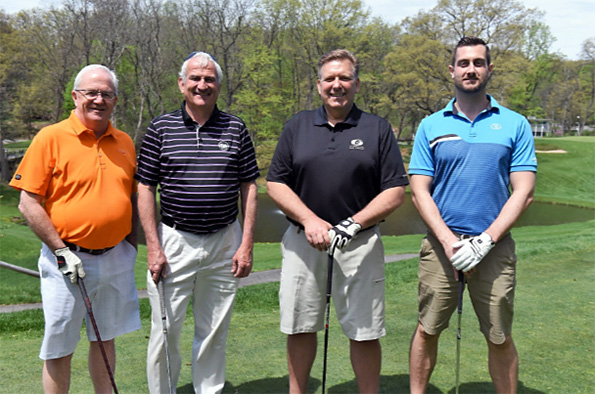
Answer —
495 126
224 145
356 144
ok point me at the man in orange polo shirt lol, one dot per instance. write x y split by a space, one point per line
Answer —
78 196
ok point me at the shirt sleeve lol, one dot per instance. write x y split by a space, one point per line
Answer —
392 171
523 156
248 165
422 159
34 173
149 166
281 165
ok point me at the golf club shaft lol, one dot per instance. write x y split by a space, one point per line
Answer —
329 285
163 321
99 341
459 313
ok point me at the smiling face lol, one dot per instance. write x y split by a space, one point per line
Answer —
200 88
470 71
95 113
337 87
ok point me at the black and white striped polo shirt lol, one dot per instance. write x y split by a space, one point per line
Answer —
198 168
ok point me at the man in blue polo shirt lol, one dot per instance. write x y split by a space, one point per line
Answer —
336 172
201 159
464 159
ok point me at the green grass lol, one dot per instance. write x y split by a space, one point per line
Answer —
554 310
567 178
554 316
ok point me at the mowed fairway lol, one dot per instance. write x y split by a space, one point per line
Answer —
553 330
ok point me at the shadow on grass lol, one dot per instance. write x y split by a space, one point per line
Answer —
488 388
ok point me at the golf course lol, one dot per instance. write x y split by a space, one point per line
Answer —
553 326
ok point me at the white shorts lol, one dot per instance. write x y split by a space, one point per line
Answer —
111 289
357 288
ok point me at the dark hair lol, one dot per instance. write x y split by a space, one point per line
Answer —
471 42
339 54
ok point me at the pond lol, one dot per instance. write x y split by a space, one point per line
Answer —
271 223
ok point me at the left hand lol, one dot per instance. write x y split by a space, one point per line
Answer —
242 263
472 251
342 234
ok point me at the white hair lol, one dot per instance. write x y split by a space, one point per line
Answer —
91 67
203 61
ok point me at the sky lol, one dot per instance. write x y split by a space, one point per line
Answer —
571 22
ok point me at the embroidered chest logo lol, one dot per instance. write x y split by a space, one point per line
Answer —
495 126
224 146
356 144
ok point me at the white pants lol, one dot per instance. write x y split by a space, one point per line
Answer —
199 268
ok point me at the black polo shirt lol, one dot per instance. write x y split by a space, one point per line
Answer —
336 171
198 168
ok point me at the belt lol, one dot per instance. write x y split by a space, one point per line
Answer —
170 223
94 252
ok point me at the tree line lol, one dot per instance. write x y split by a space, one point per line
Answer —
268 51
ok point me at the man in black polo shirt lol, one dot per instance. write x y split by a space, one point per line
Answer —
201 159
337 172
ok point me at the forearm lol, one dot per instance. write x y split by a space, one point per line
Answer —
380 207
523 186
429 212
290 203
146 213
249 199
39 221
132 238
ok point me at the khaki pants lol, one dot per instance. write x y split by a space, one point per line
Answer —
199 269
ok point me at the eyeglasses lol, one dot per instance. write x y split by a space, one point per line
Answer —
195 52
92 94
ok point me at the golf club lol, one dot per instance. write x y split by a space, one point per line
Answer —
163 321
459 312
329 285
90 313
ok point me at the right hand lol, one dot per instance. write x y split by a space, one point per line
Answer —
156 262
69 264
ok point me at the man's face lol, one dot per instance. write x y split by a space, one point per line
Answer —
200 89
338 85
94 113
471 72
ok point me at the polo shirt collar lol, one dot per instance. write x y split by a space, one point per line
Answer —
493 105
188 121
80 128
352 119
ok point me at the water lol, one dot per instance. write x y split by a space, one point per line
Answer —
271 223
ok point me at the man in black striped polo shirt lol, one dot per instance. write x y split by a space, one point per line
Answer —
202 159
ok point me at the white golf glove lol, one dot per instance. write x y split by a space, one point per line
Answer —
472 251
342 234
69 264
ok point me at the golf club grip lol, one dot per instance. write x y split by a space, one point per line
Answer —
87 302
162 302
461 291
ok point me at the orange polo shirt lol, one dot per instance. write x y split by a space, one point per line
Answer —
86 182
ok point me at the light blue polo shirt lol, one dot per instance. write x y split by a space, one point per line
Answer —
471 162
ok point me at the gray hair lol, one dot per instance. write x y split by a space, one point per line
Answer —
91 67
203 61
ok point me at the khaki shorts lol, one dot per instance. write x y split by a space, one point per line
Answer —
491 288
357 288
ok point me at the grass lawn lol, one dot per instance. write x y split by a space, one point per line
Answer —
553 332
554 310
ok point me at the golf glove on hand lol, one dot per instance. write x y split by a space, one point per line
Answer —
69 264
342 234
471 252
